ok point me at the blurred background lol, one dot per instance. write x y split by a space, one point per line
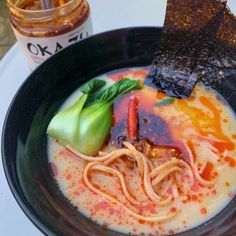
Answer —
7 39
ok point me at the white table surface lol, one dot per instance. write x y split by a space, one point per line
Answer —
106 15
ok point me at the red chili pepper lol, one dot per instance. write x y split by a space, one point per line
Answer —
132 119
207 172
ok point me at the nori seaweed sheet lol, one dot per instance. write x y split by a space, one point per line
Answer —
192 47
222 60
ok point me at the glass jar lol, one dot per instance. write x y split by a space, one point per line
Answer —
43 32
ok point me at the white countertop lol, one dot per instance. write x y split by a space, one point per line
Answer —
106 15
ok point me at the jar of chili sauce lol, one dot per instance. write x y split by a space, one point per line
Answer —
42 32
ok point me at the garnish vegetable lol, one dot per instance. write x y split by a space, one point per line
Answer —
132 119
165 101
87 123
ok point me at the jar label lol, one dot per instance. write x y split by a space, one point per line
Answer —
37 50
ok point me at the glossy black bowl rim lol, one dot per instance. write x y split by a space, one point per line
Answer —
27 211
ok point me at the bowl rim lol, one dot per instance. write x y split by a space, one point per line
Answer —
36 220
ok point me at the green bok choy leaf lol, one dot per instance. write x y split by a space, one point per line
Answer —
65 125
86 126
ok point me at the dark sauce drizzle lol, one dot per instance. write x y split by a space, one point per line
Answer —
152 129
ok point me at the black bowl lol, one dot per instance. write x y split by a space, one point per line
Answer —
24 140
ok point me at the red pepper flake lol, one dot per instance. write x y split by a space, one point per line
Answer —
118 75
230 194
64 153
139 208
172 209
188 197
231 161
68 176
149 207
215 174
213 192
142 73
206 174
101 206
141 222
111 211
225 120
194 197
160 95
203 211
169 191
195 187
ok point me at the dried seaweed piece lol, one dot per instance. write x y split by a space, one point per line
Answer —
191 15
213 75
222 60
182 55
221 66
223 53
227 30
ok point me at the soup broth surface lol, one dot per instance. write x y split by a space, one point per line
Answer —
200 130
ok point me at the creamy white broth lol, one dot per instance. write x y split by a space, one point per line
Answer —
194 209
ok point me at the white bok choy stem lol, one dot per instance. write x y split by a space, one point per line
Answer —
86 124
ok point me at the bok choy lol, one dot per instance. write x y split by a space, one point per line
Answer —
86 124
